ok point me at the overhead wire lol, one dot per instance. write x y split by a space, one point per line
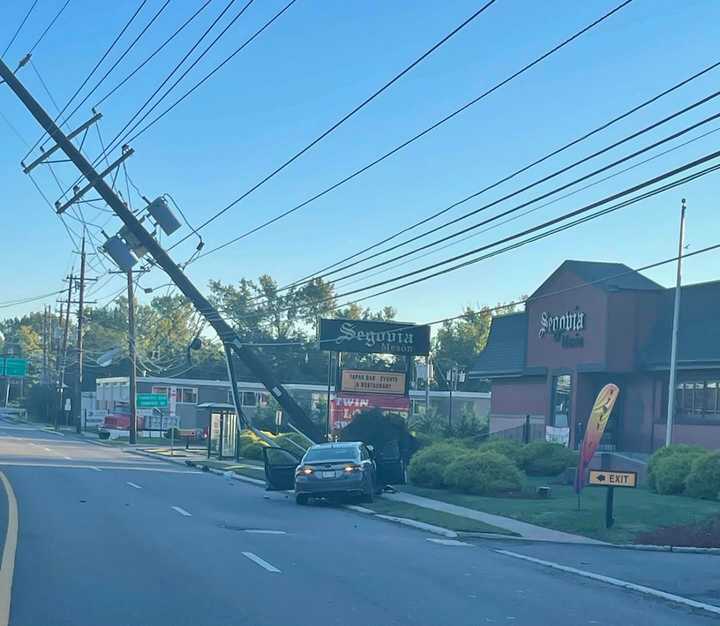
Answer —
350 114
19 28
516 208
92 71
147 59
49 26
397 148
510 176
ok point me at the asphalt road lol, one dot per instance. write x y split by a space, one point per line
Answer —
107 537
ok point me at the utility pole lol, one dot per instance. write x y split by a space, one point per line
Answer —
45 346
63 362
131 352
232 343
676 319
81 303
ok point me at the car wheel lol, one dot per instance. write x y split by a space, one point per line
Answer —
301 499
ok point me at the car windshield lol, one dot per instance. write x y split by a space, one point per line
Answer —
344 453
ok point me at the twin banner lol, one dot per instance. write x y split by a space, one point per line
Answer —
340 335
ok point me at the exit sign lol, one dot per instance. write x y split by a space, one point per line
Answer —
12 367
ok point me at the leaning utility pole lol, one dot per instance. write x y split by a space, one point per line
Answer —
63 361
674 337
232 343
45 347
79 347
131 352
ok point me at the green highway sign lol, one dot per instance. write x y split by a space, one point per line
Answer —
10 366
151 401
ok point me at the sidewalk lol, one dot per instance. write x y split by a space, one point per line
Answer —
525 530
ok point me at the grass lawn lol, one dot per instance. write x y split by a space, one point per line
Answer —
636 510
437 518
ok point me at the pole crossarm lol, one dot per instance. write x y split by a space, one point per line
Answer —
227 335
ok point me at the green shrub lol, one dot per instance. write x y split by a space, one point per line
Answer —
251 450
671 471
484 473
507 447
424 439
541 458
667 451
704 478
427 466
291 441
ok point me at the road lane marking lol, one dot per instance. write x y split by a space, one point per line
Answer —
67 458
53 432
98 468
135 485
262 563
7 565
181 511
260 531
47 449
448 542
663 595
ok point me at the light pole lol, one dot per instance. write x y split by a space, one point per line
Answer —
456 376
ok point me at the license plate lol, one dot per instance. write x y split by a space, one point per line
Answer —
330 474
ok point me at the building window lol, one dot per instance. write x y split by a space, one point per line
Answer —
187 395
263 399
562 396
249 398
698 399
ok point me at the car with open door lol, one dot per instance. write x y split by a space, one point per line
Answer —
326 470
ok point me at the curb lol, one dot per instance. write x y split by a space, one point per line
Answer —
199 467
652 548
430 528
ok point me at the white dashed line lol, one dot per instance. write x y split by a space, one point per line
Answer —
261 531
96 468
262 563
67 458
181 511
47 449
617 582
448 542
135 485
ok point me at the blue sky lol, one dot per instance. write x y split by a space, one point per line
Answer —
316 63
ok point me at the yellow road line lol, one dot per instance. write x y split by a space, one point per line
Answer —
7 565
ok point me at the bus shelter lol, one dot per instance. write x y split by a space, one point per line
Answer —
222 430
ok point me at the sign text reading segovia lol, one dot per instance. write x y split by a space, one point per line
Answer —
370 336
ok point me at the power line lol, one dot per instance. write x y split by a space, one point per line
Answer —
49 26
118 60
179 64
531 230
399 147
158 117
26 300
498 182
19 28
541 206
94 69
44 85
153 54
512 194
512 210
348 115
516 303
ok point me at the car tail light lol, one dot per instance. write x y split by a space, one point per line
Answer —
303 470
353 468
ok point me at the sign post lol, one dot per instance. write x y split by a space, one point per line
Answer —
611 479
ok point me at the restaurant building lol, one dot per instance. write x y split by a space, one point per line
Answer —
594 323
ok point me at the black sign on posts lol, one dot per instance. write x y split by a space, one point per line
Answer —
341 335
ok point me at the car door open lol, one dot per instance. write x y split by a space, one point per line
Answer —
280 467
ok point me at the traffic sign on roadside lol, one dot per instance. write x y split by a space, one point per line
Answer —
603 478
151 401
11 366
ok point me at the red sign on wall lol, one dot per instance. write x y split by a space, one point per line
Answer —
344 407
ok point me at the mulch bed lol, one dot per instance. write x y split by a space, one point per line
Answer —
705 534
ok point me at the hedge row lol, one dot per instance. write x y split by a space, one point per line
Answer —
492 468
684 469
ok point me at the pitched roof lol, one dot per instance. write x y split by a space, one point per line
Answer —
607 276
504 351
698 332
